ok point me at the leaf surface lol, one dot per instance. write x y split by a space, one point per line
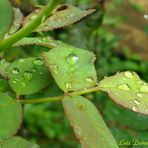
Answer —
28 76
6 16
41 41
17 21
72 68
127 90
16 142
10 116
63 16
88 123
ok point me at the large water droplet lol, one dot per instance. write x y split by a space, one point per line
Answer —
128 74
124 87
27 75
38 61
55 68
15 71
89 79
72 59
144 88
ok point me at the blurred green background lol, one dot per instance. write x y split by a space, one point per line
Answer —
118 34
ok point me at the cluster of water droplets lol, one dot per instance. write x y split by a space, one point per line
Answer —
27 75
142 89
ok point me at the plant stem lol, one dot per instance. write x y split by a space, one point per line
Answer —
42 100
59 98
32 25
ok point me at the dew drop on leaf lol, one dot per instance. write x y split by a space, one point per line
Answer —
144 88
68 85
128 74
139 95
136 102
124 87
15 71
55 68
27 75
21 60
72 59
38 61
135 108
89 79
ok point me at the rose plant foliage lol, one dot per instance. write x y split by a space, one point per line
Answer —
71 68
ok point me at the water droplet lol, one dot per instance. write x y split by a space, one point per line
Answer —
145 16
136 102
124 87
78 130
72 59
21 60
135 108
55 68
89 79
139 95
15 71
68 85
38 61
27 75
128 74
144 88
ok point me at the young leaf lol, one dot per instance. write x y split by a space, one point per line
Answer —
63 16
72 68
16 142
41 41
10 116
88 123
127 90
28 76
6 16
17 22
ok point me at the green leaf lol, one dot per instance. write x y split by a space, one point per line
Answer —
127 90
41 41
116 114
6 16
63 16
17 142
88 123
28 76
17 21
10 116
3 85
3 66
72 68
